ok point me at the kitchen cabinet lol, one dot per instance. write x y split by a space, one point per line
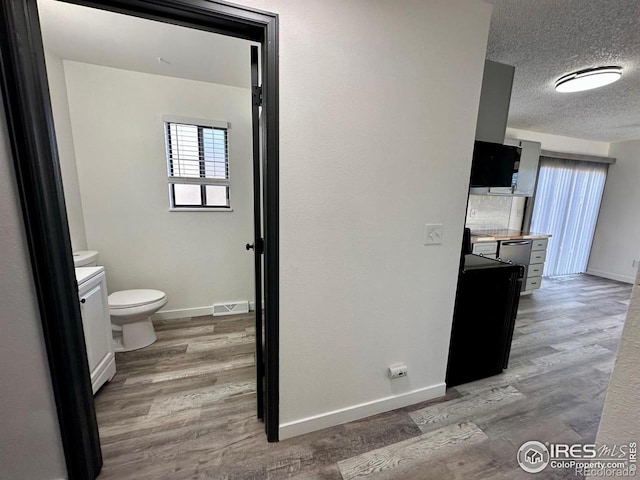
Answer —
535 270
96 323
495 97
536 264
532 257
522 248
538 257
531 254
525 181
540 244
493 109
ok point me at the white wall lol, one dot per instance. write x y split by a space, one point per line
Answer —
197 258
66 153
616 243
620 422
378 105
30 445
378 108
558 143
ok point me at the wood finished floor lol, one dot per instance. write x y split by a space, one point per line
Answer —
183 408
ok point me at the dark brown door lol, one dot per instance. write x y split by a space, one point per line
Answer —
258 242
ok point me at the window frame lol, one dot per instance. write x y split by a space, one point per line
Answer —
200 124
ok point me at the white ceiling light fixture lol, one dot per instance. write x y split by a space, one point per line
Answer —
588 79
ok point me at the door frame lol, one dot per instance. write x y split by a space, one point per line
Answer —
33 143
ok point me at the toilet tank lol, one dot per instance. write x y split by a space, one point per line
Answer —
86 258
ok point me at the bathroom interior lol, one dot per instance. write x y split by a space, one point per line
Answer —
166 284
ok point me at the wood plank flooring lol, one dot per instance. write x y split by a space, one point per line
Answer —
184 408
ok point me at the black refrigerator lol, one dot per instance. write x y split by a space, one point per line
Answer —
484 318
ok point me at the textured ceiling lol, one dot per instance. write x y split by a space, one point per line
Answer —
545 39
104 38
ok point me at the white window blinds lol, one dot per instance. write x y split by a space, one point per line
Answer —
197 162
566 205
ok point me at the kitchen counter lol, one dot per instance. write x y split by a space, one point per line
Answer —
497 235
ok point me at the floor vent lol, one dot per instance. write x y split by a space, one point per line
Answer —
230 308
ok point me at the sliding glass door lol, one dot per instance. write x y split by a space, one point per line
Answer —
566 205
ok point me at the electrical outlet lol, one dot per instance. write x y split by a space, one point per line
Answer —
433 233
397 371
634 264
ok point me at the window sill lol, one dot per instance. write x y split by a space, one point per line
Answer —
214 209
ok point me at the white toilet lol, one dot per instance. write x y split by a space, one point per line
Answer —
87 258
130 310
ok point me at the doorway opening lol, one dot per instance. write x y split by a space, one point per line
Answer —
38 168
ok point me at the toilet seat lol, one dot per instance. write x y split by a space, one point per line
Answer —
134 298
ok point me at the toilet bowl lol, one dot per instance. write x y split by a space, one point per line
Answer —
131 312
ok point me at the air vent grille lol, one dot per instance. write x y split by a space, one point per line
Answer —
230 308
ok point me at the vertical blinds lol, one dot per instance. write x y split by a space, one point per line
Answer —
567 203
197 154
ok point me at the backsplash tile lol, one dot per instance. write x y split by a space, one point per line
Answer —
488 212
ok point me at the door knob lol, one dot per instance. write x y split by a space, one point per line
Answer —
249 246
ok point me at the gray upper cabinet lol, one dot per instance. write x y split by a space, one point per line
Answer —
494 101
527 172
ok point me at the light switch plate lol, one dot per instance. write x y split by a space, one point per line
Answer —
433 233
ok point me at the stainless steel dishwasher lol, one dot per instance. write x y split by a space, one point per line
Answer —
516 251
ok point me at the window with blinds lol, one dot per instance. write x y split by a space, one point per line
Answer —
198 163
566 205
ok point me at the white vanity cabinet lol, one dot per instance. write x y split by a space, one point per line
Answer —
94 306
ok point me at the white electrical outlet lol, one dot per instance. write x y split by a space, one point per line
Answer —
433 233
397 371
635 263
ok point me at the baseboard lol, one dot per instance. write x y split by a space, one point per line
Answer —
611 276
356 412
190 312
252 306
183 313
